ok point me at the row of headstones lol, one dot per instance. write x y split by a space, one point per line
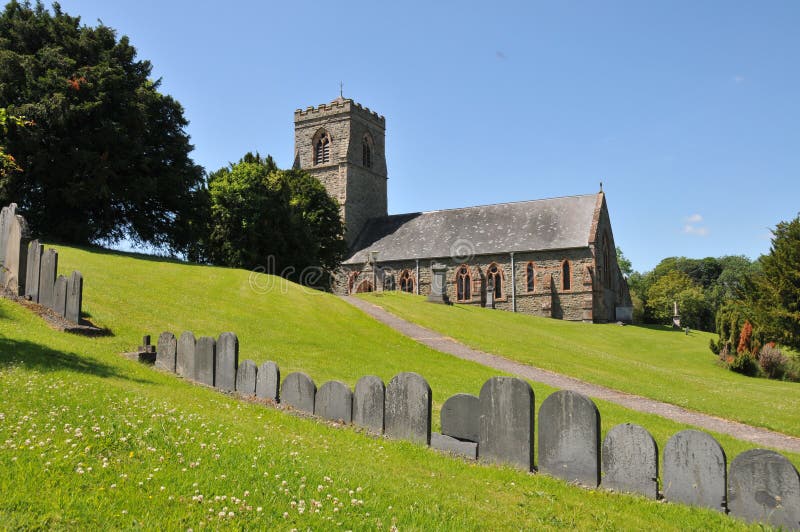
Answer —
498 426
26 269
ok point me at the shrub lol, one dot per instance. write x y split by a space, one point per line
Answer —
772 361
745 338
714 346
745 363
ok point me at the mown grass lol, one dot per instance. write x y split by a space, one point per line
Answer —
652 361
91 439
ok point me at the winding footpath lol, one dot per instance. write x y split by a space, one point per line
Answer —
759 436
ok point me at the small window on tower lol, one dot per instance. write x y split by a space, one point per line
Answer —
366 151
322 148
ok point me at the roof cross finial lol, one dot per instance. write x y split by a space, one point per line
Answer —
601 186
341 90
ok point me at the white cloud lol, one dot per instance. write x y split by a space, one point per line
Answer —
738 79
694 218
692 225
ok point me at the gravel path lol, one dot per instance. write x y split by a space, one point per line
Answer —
762 437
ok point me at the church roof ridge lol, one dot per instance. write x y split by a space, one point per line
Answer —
499 204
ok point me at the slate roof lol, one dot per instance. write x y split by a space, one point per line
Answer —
537 225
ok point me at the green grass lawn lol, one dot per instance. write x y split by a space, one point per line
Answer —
91 439
652 361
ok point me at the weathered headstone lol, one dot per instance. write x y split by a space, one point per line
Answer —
16 254
184 362
694 470
438 284
299 391
334 401
60 296
6 214
630 461
506 422
47 278
227 362
764 486
166 351
34 267
460 417
569 438
246 378
442 442
369 403
74 297
268 381
408 408
205 354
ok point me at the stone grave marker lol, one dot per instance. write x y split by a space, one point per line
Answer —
74 297
442 442
764 486
438 284
299 391
166 351
60 296
630 461
506 422
694 470
569 438
16 254
460 417
205 354
334 401
184 362
227 362
268 381
47 278
368 403
246 378
407 410
34 268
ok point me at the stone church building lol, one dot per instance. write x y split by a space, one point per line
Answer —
549 257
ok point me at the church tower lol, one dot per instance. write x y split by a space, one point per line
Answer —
342 144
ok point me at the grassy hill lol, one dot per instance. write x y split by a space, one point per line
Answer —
91 439
652 361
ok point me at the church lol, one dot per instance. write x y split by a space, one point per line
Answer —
548 257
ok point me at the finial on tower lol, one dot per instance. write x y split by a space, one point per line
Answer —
341 90
601 186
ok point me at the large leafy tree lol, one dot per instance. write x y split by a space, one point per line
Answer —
109 156
676 286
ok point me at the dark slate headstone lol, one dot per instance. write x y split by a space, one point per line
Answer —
630 461
569 438
34 267
184 362
506 422
764 486
334 401
227 362
268 381
246 378
438 284
460 417
408 408
166 351
695 470
47 278
205 354
5 220
299 391
60 296
442 442
368 403
74 297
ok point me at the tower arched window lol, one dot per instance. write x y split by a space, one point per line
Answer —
530 272
566 276
463 284
322 147
406 282
494 279
366 151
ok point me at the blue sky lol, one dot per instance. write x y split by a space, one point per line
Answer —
687 111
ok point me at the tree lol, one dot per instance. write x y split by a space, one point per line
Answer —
261 216
109 158
676 286
624 264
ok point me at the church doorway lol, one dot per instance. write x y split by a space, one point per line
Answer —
365 286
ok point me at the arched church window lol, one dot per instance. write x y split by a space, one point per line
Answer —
463 284
406 282
322 147
366 151
494 278
606 260
530 272
566 276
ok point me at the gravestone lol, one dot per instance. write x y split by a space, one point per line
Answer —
246 378
334 401
442 442
694 470
407 410
184 361
34 267
47 278
299 391
438 284
74 297
60 296
268 381
630 461
16 254
166 351
569 438
506 422
460 417
227 362
6 214
764 486
205 354
368 403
